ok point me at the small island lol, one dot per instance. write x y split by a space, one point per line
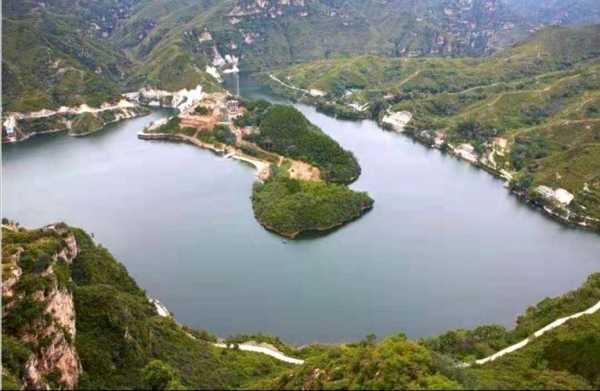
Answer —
290 206
302 173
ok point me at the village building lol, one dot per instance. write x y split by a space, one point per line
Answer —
562 196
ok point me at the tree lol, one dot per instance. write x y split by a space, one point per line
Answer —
158 375
202 110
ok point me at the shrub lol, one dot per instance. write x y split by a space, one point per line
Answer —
159 376
201 110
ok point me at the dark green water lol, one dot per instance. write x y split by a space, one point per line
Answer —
445 246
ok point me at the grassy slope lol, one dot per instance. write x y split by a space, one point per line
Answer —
542 96
566 358
47 62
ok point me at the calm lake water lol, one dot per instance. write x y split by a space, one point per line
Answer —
446 246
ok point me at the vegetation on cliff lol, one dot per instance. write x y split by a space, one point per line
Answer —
394 363
119 336
119 340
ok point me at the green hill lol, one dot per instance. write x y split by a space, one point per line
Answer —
284 130
95 49
530 110
47 62
73 317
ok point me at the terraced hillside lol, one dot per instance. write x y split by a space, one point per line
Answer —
529 113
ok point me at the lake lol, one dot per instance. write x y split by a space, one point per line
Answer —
446 246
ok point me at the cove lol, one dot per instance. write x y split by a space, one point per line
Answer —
445 246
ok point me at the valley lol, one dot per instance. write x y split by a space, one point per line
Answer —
296 194
161 194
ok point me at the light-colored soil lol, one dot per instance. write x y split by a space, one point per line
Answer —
267 349
304 171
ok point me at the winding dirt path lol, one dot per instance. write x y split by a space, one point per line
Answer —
411 77
249 346
274 78
264 349
537 334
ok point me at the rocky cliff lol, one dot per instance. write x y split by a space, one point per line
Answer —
39 309
72 317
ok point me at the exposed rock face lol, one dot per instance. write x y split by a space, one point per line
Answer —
54 360
461 26
11 274
557 12
59 356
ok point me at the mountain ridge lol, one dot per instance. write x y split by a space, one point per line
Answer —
100 49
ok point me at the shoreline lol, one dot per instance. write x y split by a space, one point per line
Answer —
272 351
260 166
248 346
143 113
318 231
130 105
551 213
130 113
521 196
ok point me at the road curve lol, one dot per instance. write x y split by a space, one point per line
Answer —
276 354
537 334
